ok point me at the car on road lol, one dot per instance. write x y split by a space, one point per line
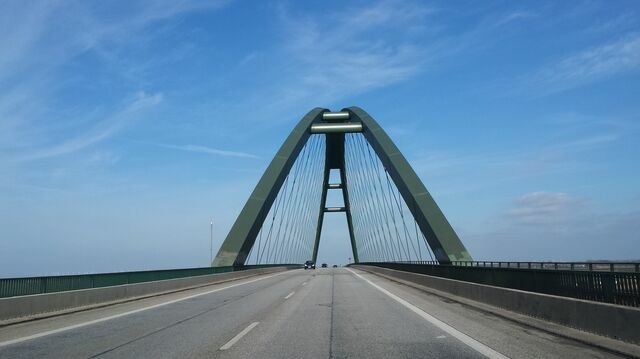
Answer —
309 265
335 266
324 265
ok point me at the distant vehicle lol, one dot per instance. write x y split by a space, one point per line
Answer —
335 266
309 265
324 265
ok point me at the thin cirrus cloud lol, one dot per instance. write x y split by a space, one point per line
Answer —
211 151
331 57
544 207
43 38
545 225
49 30
368 64
590 65
314 66
101 132
543 158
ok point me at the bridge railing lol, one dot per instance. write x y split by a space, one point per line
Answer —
579 266
11 287
589 283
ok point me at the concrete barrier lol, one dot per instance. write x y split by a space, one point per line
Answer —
16 309
610 320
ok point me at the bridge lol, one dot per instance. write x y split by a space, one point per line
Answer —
413 289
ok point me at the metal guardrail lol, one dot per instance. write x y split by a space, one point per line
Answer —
11 287
580 266
614 287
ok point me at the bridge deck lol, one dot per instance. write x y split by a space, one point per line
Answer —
324 313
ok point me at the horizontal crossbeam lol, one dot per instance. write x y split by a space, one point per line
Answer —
339 127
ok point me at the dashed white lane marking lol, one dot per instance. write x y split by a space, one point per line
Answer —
99 320
305 283
289 295
441 336
239 336
472 343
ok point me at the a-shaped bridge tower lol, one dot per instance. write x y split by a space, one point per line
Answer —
390 214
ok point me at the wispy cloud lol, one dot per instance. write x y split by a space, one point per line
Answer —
102 131
41 40
543 207
514 16
323 59
588 66
211 151
564 148
558 226
443 163
58 31
325 67
586 143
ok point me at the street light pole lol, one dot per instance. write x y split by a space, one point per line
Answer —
211 244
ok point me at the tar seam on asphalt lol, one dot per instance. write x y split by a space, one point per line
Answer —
124 314
488 313
168 326
333 280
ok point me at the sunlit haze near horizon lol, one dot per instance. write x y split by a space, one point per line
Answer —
126 126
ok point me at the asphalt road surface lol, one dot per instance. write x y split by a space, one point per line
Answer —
322 313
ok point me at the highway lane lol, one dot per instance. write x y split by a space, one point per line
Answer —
326 313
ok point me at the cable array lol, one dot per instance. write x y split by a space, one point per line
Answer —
384 228
288 232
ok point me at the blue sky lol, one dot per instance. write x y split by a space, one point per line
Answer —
124 126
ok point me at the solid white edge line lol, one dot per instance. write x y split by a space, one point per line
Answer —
239 336
474 344
289 295
99 320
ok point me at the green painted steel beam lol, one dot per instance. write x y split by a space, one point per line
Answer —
334 159
242 236
347 205
439 234
323 202
441 237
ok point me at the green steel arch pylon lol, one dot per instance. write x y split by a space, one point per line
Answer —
441 237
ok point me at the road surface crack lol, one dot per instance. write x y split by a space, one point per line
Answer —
222 304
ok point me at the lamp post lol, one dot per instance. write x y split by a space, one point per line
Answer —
211 244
